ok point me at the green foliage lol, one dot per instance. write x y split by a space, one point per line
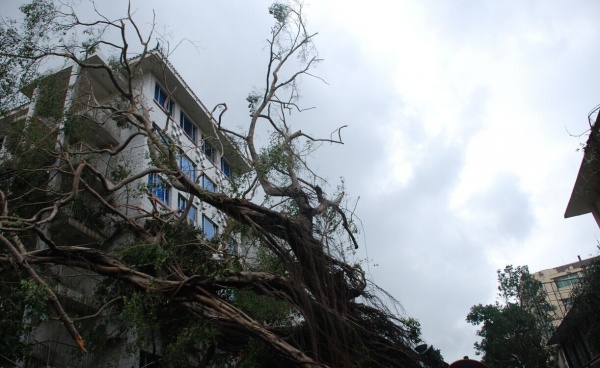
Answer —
585 300
280 12
25 173
35 300
51 97
144 312
252 100
179 353
513 333
257 355
140 254
414 329
22 307
120 172
274 160
23 39
37 13
262 307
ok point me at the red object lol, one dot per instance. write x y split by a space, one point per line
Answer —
467 363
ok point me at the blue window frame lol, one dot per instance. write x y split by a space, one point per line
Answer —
182 204
208 227
208 184
225 168
161 97
163 137
188 127
159 188
187 166
209 151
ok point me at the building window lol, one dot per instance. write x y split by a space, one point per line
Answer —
187 166
182 204
161 97
209 151
188 127
208 184
163 137
149 360
225 168
208 227
567 280
159 188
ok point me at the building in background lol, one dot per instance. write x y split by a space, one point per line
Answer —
558 282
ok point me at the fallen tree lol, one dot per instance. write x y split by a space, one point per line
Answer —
298 302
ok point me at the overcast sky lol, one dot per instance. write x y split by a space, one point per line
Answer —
460 145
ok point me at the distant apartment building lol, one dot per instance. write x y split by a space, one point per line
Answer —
558 283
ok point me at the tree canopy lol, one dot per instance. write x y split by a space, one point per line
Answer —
298 300
585 299
514 331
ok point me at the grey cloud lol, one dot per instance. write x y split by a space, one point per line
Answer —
506 208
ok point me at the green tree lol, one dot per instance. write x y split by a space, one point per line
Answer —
514 330
300 302
585 299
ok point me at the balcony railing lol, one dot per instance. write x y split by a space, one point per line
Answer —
95 128
58 354
74 226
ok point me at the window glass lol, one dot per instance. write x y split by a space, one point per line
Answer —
163 137
161 97
182 204
209 151
188 127
208 227
159 188
208 184
149 360
567 280
225 168
187 166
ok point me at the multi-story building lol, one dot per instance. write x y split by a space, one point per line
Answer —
558 283
204 154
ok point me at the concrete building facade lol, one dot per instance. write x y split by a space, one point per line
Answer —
558 282
204 154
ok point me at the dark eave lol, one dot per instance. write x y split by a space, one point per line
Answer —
587 186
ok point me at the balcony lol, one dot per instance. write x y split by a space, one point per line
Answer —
58 354
94 128
77 225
